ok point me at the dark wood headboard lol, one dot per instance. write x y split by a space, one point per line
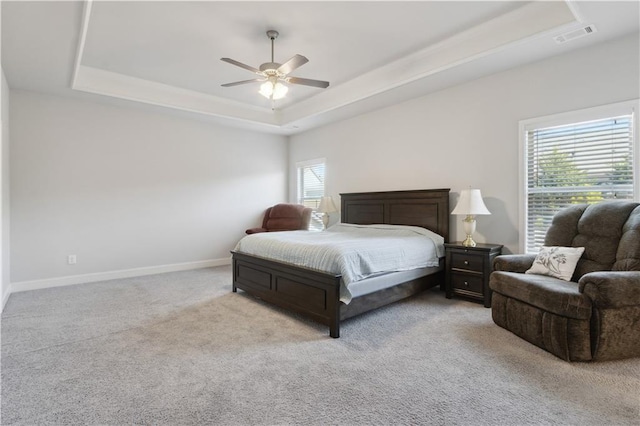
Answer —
428 208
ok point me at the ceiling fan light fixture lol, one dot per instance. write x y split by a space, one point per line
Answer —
273 90
279 90
266 89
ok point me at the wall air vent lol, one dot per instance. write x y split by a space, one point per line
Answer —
574 34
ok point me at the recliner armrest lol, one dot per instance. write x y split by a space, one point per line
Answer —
255 230
513 262
611 289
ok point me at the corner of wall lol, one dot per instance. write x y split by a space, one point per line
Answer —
5 285
6 292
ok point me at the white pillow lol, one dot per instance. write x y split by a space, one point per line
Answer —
558 262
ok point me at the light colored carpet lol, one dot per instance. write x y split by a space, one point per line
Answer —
180 348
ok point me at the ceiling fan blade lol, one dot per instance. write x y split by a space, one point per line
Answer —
293 63
237 83
241 65
307 82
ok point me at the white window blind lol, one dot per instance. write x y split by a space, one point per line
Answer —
585 162
311 177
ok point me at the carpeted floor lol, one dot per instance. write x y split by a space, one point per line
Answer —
180 349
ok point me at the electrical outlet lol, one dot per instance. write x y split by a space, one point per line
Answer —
72 259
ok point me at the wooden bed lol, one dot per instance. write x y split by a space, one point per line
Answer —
316 294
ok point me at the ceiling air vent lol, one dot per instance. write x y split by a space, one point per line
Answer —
574 34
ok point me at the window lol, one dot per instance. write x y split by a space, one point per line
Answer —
583 157
311 188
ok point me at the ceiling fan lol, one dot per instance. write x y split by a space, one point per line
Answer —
273 74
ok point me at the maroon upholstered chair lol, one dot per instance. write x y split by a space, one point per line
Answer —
284 217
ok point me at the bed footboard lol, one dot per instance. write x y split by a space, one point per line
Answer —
306 291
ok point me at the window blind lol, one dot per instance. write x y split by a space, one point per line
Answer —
585 162
311 190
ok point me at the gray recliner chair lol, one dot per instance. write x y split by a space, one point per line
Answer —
596 315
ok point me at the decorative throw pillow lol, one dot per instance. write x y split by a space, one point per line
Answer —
558 262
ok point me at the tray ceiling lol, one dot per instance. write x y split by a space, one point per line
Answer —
167 54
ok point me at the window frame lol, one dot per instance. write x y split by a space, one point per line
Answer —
566 118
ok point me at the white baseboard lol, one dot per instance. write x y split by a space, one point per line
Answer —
110 275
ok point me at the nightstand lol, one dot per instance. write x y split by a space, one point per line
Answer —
468 270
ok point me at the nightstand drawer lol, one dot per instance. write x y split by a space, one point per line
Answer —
467 261
467 282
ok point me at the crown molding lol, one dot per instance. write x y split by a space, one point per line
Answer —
533 20
101 82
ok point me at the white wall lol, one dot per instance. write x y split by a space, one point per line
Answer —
4 199
123 188
468 135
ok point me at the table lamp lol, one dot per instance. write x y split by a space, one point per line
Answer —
326 206
470 204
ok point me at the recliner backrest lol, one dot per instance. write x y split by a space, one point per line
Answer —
609 232
282 217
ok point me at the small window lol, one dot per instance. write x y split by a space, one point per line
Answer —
575 159
311 178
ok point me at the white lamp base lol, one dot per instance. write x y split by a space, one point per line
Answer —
469 226
325 219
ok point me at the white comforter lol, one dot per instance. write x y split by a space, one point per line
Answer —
354 251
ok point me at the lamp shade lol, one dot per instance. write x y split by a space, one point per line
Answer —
470 203
327 205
